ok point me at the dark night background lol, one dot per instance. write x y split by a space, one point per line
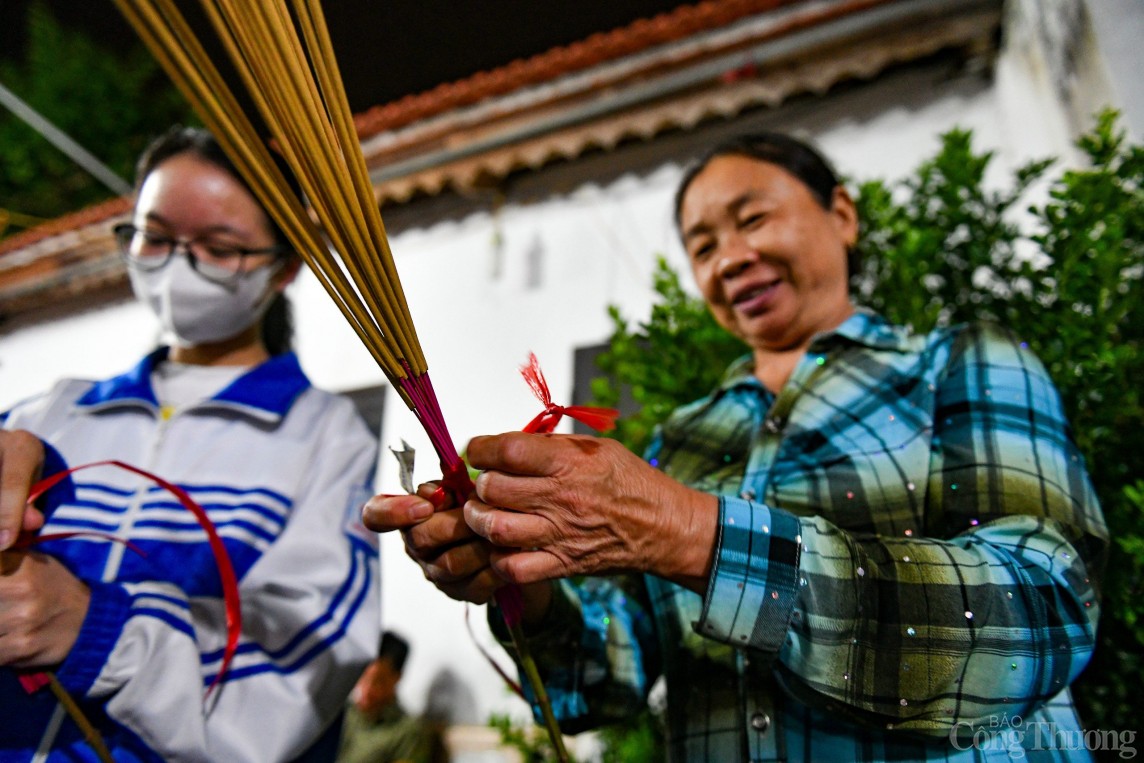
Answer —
390 49
80 65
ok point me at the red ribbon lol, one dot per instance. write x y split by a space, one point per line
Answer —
34 681
27 542
455 479
600 419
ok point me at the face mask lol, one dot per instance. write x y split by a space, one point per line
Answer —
198 311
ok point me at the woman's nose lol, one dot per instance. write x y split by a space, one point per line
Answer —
736 256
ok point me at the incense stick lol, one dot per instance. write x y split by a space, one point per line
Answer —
371 300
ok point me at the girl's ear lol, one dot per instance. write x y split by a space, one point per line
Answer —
288 273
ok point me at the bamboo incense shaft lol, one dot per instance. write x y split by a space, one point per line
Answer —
372 303
90 734
174 45
336 168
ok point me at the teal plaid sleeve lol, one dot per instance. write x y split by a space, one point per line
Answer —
754 586
596 651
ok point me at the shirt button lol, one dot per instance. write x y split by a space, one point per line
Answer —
772 425
760 722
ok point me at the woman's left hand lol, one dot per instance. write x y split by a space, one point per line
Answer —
450 555
42 606
577 505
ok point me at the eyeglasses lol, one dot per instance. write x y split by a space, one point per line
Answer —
147 250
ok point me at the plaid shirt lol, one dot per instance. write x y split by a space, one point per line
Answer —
905 565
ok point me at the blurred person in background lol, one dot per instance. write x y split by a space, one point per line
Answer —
377 729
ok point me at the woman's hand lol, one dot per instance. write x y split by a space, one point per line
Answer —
42 606
553 506
21 458
451 556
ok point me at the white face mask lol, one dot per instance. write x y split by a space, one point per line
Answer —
198 311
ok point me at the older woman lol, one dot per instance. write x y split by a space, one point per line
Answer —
863 545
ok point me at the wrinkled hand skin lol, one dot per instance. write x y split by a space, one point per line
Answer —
21 458
449 553
556 505
42 606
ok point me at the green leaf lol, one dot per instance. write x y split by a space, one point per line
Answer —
111 100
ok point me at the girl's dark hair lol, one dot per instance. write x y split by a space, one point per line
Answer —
791 154
277 324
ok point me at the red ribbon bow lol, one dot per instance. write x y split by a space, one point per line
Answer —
600 419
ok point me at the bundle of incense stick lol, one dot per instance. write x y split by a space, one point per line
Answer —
282 52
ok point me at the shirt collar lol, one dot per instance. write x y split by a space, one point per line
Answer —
864 327
265 391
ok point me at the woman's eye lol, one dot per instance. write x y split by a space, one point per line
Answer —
752 220
702 251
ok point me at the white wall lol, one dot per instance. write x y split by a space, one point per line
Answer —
1117 27
596 244
93 344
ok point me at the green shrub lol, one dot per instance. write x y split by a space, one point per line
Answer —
110 97
676 357
940 247
529 741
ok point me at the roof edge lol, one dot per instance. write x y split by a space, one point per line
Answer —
592 51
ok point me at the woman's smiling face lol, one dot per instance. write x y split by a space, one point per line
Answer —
768 258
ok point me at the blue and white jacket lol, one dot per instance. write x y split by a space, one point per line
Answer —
282 469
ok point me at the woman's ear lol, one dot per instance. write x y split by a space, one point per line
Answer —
845 215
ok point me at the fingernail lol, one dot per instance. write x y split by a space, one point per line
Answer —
5 539
421 511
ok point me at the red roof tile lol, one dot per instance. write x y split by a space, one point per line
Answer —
70 222
583 54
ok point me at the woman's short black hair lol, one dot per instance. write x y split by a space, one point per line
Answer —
796 157
277 324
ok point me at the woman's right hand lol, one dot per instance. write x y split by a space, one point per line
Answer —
21 459
451 556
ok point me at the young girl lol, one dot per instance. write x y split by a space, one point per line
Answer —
137 635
